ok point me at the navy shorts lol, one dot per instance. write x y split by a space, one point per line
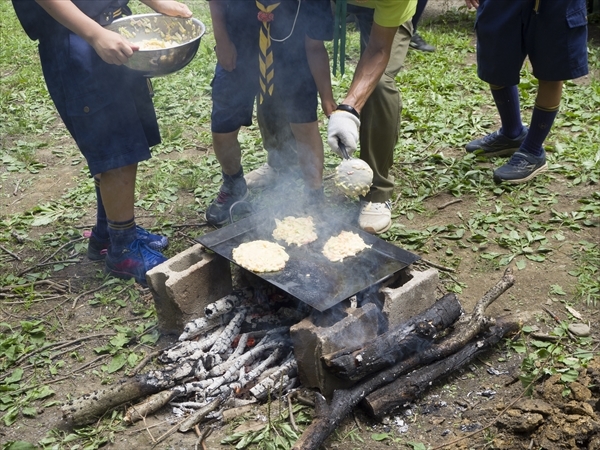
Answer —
106 108
233 93
554 37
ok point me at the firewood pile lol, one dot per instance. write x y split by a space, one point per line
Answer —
240 349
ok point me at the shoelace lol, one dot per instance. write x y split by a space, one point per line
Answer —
517 161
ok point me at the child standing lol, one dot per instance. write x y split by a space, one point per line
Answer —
108 110
553 34
263 46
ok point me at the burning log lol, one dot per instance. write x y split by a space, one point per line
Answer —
405 389
199 326
200 414
223 342
328 417
90 407
280 377
152 404
413 336
198 372
228 303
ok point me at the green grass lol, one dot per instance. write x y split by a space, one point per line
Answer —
445 106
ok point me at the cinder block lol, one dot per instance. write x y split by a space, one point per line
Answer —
411 298
183 285
316 336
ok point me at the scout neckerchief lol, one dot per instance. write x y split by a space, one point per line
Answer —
265 57
339 35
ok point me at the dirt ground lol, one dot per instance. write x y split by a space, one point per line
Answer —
482 406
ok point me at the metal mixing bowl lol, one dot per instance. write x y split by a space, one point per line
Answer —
141 28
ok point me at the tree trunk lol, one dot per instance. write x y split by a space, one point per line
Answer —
414 336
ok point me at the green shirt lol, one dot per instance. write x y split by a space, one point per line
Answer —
389 13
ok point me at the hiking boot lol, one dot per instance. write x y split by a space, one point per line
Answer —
262 177
520 168
375 218
496 144
98 248
133 262
418 43
219 211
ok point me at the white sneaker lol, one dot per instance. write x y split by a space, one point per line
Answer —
261 177
375 218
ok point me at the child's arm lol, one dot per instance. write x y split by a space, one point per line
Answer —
318 60
110 46
226 51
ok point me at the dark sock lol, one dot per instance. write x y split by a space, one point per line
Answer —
122 234
101 228
541 123
507 102
236 176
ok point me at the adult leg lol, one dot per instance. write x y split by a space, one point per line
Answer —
380 121
380 126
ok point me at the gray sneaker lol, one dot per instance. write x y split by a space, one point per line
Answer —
261 177
496 144
520 168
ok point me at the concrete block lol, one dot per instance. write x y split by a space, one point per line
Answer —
316 336
183 285
411 298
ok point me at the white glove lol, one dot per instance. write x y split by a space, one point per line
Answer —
343 126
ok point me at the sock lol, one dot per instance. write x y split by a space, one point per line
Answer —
122 234
541 123
101 228
232 178
507 102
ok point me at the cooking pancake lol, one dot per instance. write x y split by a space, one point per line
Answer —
260 256
344 245
295 230
354 177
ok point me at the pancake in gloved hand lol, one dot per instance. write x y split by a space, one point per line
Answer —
295 230
354 177
343 245
260 256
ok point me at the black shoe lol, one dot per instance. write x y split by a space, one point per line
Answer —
496 144
220 210
520 168
418 43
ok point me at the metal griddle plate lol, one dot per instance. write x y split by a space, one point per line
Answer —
308 275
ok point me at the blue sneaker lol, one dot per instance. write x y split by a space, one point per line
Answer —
219 212
496 144
134 262
520 168
98 248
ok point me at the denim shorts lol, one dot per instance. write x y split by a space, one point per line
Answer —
107 108
551 33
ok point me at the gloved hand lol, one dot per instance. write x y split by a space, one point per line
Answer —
343 126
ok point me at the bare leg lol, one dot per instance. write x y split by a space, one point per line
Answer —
228 151
118 192
310 152
549 94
